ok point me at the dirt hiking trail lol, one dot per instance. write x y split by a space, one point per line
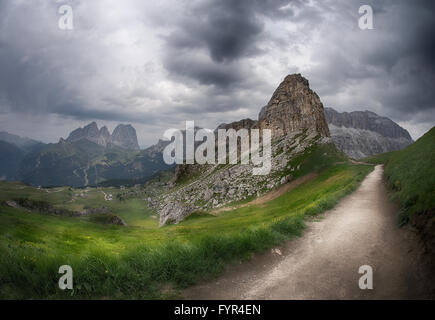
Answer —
323 264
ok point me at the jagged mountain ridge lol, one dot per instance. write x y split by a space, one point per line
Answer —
123 136
360 134
366 120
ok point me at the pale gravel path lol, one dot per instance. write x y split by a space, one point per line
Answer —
323 263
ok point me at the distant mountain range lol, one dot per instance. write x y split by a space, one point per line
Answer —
90 155
13 149
25 144
87 157
360 134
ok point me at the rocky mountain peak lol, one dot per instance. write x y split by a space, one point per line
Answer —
104 132
293 106
92 126
89 132
124 136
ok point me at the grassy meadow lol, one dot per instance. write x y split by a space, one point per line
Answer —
141 260
411 175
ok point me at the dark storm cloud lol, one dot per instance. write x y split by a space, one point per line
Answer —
205 72
425 42
227 29
410 62
414 37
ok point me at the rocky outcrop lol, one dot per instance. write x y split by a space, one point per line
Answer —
295 116
124 136
99 215
360 134
89 211
242 124
293 106
43 207
108 218
89 132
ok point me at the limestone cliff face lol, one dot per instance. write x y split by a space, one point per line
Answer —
293 106
360 134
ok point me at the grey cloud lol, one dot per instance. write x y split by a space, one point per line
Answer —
389 70
79 113
217 60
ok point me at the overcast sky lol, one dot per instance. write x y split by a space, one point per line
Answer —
156 64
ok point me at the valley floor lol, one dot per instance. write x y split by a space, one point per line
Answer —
323 264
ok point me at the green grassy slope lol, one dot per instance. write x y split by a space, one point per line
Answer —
411 175
139 260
